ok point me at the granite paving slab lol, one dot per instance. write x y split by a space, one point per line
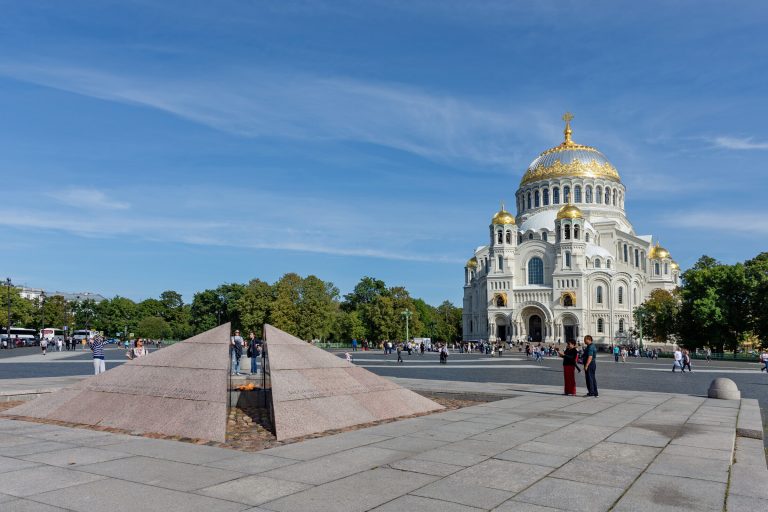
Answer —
425 466
13 464
22 505
35 446
448 456
173 450
161 473
616 453
111 495
571 495
251 463
381 484
456 490
541 459
253 490
410 503
660 493
31 481
615 475
690 467
77 456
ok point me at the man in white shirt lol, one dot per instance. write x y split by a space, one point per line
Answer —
678 360
764 359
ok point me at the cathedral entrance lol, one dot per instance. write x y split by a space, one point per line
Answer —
570 332
570 327
501 332
534 328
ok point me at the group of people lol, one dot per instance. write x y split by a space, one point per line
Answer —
572 358
252 348
682 360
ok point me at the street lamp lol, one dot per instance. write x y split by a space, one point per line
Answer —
407 314
8 339
218 317
42 313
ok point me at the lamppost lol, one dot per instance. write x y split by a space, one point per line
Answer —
42 313
218 317
8 339
640 317
407 314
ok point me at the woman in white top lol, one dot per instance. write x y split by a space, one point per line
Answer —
138 350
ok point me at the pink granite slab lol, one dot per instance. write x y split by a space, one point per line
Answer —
314 391
179 390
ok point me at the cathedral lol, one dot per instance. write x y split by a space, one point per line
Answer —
569 263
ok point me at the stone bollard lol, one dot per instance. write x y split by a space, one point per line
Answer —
724 389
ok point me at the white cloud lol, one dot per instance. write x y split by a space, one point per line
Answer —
747 143
738 222
268 104
88 198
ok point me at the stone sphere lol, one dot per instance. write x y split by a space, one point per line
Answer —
724 389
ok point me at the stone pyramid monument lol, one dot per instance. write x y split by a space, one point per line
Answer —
179 390
314 391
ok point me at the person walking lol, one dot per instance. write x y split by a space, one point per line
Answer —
399 352
764 360
236 348
570 360
44 345
590 366
616 350
686 361
254 352
354 345
709 355
501 349
97 347
58 344
678 363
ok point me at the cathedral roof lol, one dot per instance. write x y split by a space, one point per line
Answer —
658 252
569 211
570 160
503 217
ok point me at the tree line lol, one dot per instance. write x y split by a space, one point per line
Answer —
717 305
307 307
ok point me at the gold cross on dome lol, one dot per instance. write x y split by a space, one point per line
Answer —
567 132
567 117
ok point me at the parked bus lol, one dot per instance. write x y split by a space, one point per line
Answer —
25 337
50 334
83 334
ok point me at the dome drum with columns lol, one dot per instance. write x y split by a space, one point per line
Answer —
569 263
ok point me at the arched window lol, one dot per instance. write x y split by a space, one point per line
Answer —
519 238
566 194
666 268
567 301
576 232
535 271
567 259
607 196
597 262
588 193
626 254
536 199
499 237
599 295
529 200
501 263
555 195
621 295
530 236
600 325
567 232
637 258
586 236
500 301
656 268
577 194
614 197
621 325
634 296
545 196
509 237
599 195
544 236
608 263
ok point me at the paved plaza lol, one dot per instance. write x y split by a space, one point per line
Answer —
534 451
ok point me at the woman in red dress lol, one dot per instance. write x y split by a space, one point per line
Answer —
570 357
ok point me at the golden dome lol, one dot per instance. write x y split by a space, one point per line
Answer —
472 262
569 211
570 160
675 266
503 217
658 252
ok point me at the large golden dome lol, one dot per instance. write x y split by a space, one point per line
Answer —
569 211
472 262
503 217
570 160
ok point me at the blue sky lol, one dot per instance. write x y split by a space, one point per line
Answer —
148 145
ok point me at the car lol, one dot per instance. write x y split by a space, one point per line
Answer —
112 341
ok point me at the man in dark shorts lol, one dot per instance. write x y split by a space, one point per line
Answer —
590 366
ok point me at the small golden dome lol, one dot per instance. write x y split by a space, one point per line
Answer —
658 252
503 217
472 262
675 266
569 211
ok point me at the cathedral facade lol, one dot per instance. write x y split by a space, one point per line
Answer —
569 263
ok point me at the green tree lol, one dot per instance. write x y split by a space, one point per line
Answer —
316 304
254 305
22 310
347 326
84 314
113 315
659 315
55 311
153 327
757 276
285 312
207 306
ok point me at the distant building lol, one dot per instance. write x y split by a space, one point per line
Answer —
35 293
570 263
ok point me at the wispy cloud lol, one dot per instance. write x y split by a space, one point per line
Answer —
739 222
298 106
747 143
88 198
